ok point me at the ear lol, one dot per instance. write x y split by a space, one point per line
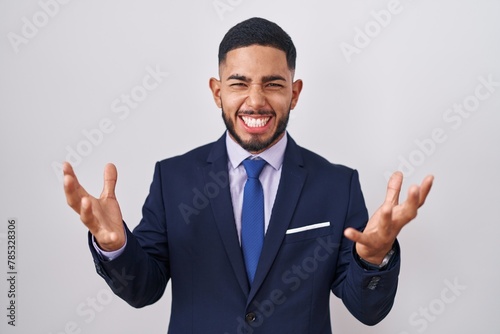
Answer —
215 88
296 89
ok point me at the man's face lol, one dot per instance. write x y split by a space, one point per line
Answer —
256 93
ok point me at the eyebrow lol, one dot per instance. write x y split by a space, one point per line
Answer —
265 79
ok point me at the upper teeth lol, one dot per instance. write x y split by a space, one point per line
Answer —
255 122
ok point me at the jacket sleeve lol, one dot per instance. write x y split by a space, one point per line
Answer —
140 274
367 294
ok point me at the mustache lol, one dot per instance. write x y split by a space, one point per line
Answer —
256 112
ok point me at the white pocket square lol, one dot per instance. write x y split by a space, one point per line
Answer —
307 228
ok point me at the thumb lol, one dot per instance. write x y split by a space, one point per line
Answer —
110 177
353 234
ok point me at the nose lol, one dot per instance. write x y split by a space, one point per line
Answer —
256 99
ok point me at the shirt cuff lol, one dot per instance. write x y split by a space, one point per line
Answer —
109 256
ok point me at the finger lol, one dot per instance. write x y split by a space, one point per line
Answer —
410 207
425 188
73 190
67 169
353 234
110 177
368 240
394 188
376 229
385 223
87 215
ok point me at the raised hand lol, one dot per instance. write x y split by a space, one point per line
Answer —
384 226
102 215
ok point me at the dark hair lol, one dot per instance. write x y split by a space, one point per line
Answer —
261 32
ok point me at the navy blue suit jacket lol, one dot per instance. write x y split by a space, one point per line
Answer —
188 235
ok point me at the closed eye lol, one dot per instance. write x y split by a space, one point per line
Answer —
274 86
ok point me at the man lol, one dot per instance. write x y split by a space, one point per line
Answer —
256 254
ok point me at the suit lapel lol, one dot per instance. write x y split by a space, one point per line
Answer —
222 209
292 180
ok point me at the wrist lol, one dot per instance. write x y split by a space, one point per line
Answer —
371 255
112 243
374 260
378 264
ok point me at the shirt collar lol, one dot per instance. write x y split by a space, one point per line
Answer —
274 155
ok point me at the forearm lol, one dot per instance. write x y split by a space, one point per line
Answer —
369 294
135 276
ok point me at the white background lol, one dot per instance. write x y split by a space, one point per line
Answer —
371 110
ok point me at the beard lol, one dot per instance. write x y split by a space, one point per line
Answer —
255 144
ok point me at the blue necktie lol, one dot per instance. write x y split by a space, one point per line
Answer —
252 216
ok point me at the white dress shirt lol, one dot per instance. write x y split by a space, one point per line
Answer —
269 177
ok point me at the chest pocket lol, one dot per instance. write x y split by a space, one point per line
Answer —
308 232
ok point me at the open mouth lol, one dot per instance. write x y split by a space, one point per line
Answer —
255 122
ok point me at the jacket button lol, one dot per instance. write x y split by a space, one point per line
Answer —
250 317
373 283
